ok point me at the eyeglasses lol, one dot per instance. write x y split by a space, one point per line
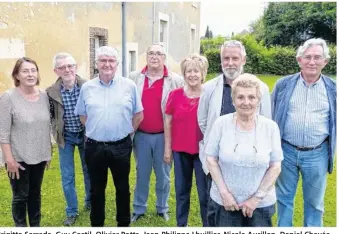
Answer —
251 158
69 66
155 54
104 61
316 58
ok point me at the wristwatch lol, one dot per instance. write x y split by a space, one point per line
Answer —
260 194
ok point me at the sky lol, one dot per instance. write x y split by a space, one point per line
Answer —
225 17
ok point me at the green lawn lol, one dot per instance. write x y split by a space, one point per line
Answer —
53 203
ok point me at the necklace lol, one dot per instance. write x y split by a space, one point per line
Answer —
235 134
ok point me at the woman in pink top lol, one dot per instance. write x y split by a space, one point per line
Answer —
182 136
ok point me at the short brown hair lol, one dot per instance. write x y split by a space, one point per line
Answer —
197 60
17 67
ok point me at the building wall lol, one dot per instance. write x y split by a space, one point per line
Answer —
40 30
181 15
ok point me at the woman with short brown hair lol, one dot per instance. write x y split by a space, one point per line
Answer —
25 140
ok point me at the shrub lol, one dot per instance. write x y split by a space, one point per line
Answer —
276 60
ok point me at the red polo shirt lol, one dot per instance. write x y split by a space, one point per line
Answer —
185 130
151 100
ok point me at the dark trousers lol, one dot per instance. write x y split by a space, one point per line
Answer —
262 217
184 164
116 157
27 195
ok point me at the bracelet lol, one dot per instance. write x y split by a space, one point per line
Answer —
260 194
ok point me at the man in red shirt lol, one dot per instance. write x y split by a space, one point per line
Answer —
154 83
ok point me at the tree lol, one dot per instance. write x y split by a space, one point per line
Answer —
294 22
208 33
257 28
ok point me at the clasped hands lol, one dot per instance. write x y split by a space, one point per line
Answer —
247 207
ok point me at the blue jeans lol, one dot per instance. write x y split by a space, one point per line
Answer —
313 167
184 164
66 156
149 152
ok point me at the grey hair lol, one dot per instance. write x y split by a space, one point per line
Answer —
156 44
312 42
108 51
246 80
62 55
233 43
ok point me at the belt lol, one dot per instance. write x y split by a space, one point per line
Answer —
150 132
299 148
91 141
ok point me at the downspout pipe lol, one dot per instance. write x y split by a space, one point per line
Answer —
123 44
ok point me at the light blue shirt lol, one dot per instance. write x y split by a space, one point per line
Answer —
307 119
109 108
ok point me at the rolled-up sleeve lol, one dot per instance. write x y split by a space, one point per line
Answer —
80 108
213 141
5 118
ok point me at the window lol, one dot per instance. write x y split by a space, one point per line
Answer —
163 30
163 33
132 61
97 37
193 38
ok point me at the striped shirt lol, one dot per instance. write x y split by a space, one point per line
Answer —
69 100
307 120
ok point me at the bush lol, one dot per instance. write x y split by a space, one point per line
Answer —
276 60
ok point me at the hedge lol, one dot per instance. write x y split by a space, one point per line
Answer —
275 60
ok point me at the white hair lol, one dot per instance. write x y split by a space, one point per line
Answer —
233 43
108 51
312 42
62 55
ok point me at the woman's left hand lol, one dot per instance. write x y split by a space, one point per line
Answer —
249 206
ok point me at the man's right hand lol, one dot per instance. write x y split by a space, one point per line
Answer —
168 157
13 168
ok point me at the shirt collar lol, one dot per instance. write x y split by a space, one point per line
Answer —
144 70
63 89
109 83
316 83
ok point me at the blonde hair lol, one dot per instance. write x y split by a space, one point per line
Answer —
246 80
198 61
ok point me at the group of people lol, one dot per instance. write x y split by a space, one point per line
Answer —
246 146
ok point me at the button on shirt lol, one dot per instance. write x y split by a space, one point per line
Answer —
109 108
307 122
69 100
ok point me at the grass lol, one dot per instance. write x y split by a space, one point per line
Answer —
53 202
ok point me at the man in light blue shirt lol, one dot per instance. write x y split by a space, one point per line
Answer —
110 108
304 107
